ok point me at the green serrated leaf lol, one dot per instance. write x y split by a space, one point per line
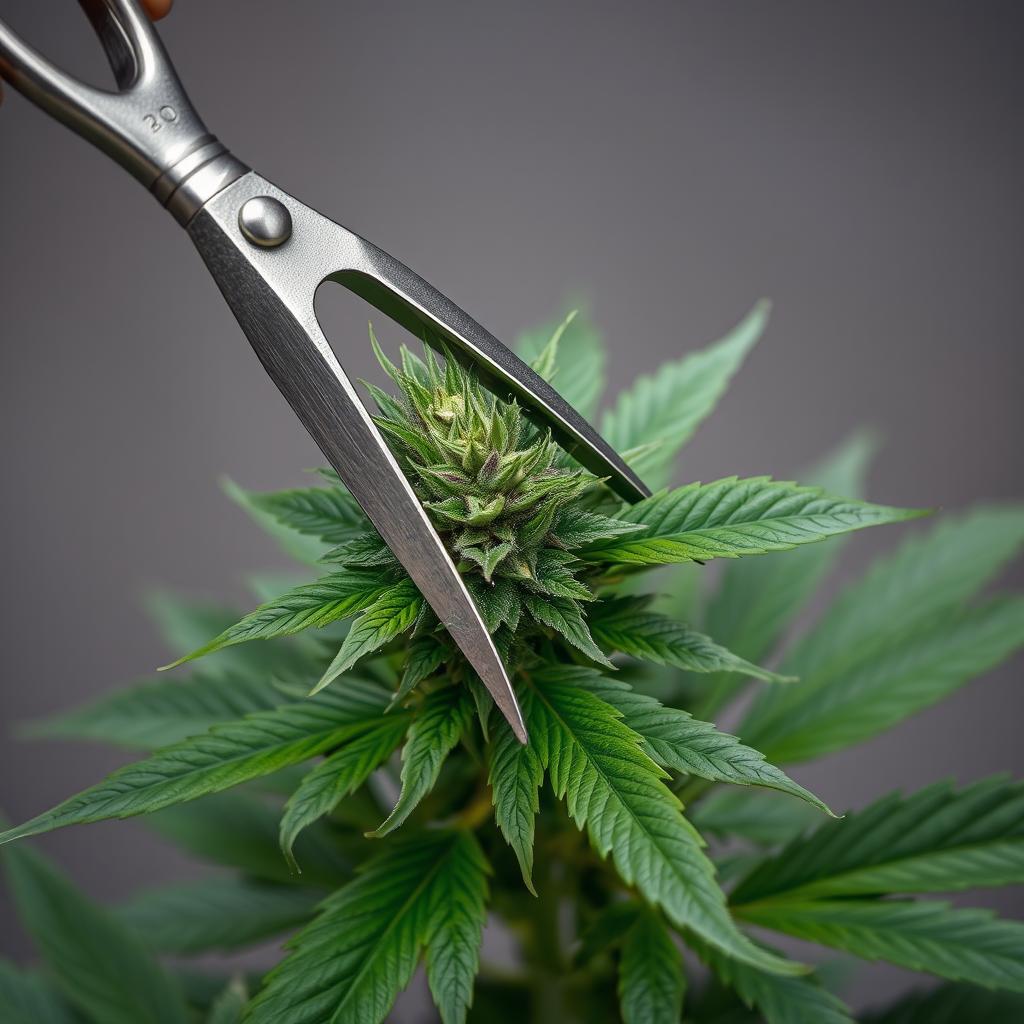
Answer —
311 605
98 964
651 979
546 362
455 931
360 952
929 574
615 791
435 730
580 360
937 840
330 514
555 575
227 755
340 773
732 518
777 1000
392 612
826 713
576 527
157 713
515 774
678 741
563 615
961 945
758 598
216 914
424 657
499 604
897 640
364 551
624 625
299 546
186 624
488 559
661 412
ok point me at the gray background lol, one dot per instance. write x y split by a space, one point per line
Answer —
860 163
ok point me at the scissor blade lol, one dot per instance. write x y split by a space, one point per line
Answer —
404 296
273 302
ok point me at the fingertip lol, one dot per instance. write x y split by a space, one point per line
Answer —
157 9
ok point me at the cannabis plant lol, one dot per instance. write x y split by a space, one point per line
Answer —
635 859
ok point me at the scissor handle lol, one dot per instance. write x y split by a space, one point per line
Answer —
148 125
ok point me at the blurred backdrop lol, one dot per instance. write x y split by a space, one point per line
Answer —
671 161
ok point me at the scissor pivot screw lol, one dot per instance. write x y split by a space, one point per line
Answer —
265 222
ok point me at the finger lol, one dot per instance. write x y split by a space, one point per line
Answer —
156 9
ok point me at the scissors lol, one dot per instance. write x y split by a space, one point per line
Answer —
268 254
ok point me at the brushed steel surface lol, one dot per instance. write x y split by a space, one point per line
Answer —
271 293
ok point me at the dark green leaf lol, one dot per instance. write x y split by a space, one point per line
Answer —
930 574
678 741
732 518
230 1004
579 372
624 625
99 965
824 713
186 624
576 527
309 606
607 929
951 1004
455 931
897 640
425 655
351 963
563 615
299 546
216 914
227 755
157 713
961 945
330 514
392 611
651 979
778 1000
938 840
340 773
662 411
758 598
27 998
434 732
614 790
515 775
754 816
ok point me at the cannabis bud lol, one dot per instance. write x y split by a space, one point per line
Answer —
497 489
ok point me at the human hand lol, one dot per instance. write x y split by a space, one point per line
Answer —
156 9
